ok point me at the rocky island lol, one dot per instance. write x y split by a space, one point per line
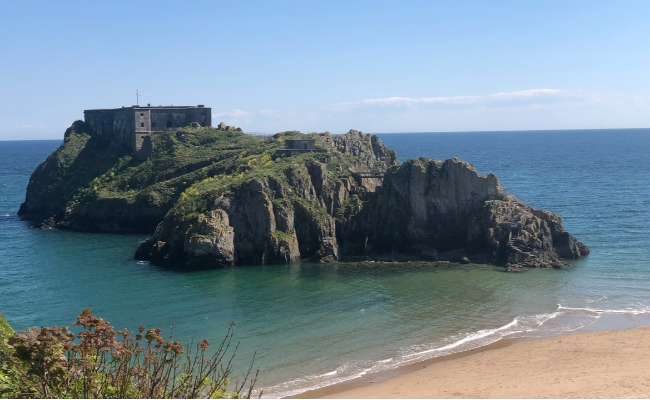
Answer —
218 197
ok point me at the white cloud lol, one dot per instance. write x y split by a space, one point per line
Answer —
236 113
497 98
271 113
525 109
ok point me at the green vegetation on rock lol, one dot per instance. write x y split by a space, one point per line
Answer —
213 198
92 183
8 386
5 329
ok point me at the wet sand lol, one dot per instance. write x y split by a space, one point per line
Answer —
614 364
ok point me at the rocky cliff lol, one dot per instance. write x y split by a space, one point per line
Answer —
215 198
281 213
423 210
428 209
94 184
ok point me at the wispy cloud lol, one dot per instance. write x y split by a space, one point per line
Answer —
524 96
534 98
236 113
525 109
271 113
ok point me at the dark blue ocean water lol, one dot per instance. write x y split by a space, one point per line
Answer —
313 324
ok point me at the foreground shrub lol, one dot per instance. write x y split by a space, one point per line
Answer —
103 363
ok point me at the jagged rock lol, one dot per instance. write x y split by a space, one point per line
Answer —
447 206
425 210
426 203
211 240
223 127
223 201
273 219
369 156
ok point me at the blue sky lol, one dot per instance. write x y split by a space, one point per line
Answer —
375 66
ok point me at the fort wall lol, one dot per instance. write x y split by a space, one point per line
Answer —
134 125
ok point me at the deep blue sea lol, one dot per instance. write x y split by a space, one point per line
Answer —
317 324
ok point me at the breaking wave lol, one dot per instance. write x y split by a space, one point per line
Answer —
562 320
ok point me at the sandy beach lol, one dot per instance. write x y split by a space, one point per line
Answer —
614 364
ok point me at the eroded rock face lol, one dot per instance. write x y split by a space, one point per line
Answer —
223 127
437 210
225 198
424 210
427 204
211 239
274 219
540 240
367 150
255 226
369 156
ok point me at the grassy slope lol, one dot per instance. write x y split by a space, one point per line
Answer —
248 167
93 173
5 329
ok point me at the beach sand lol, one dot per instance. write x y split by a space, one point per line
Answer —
613 364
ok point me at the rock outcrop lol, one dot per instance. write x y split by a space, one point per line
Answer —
423 210
428 209
223 127
281 216
216 197
71 174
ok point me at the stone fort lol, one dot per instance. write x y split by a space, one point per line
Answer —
134 125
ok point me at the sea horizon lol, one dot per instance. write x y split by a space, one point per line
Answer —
408 132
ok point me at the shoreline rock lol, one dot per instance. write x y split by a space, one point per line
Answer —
224 199
424 210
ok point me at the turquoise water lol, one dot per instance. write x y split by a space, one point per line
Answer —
313 325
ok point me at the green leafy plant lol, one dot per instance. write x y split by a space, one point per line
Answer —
100 362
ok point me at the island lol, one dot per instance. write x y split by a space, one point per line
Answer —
214 197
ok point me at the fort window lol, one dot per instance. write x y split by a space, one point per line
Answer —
153 124
168 124
142 114
141 124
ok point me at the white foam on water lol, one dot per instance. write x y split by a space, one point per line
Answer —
346 372
639 310
563 319
408 355
593 301
471 341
